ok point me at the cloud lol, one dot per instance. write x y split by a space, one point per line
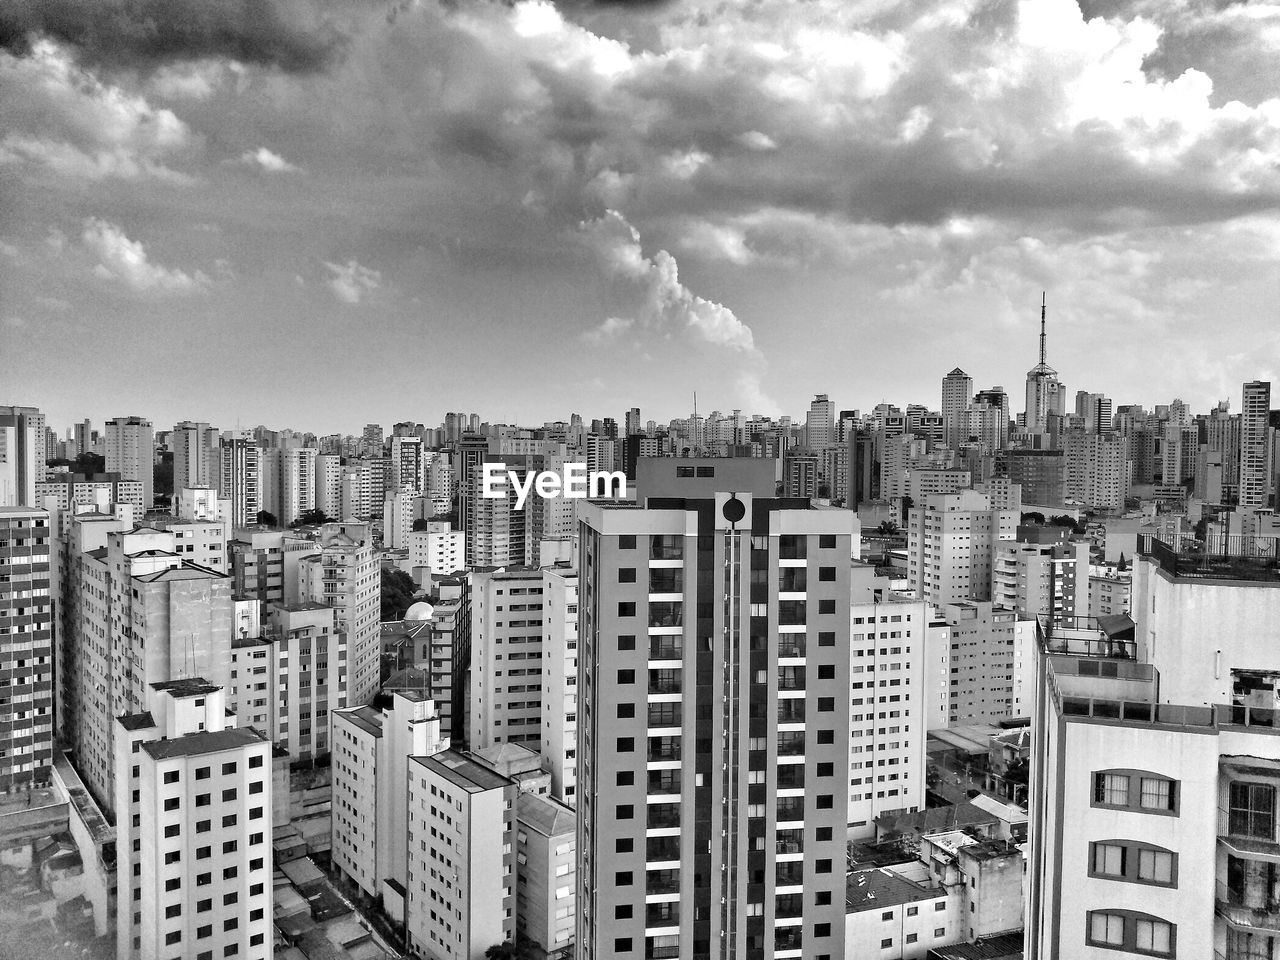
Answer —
63 118
279 33
660 305
351 282
125 262
268 161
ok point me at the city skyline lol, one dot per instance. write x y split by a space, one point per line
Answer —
616 201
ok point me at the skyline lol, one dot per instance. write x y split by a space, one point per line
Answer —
515 208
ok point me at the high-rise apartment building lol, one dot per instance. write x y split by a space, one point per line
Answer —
344 575
1255 475
22 455
328 495
145 615
1097 470
26 648
506 609
714 718
1041 579
992 663
957 394
1156 770
820 425
887 717
195 455
371 751
951 542
559 746
461 876
131 453
193 828
240 479
439 548
1041 474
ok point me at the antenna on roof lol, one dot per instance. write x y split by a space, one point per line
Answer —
1043 300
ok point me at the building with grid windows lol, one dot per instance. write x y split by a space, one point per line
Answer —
193 830
714 718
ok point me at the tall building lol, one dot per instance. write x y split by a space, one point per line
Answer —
951 543
22 455
145 615
240 479
328 495
957 394
294 485
462 862
26 649
559 747
131 452
371 751
820 425
195 454
1097 470
992 663
887 720
714 718
1041 474
1254 460
505 706
344 575
1045 395
1041 579
193 828
1155 770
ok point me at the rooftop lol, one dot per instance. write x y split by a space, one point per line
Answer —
880 887
551 818
136 721
186 687
198 744
1006 946
460 770
1246 559
366 718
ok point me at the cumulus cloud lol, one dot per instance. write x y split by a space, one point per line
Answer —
62 117
125 262
264 159
351 282
660 305
280 33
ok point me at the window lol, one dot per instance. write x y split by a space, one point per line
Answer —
202 773
174 936
173 910
1251 810
1137 790
627 542
255 761
1111 789
627 575
622 912
1108 859
1157 793
171 776
1155 866
172 803
1106 929
626 676
626 609
622 944
228 768
1131 932
622 878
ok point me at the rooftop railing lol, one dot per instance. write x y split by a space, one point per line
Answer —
1224 558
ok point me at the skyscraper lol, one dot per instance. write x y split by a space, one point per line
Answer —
957 394
1254 414
131 452
26 648
240 479
714 720
195 455
21 455
820 426
1044 392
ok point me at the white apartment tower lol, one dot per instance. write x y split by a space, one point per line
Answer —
131 452
344 575
951 541
559 746
820 425
957 394
240 479
1254 460
195 455
193 829
1156 771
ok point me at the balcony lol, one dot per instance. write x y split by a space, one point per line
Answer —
1251 906
1225 558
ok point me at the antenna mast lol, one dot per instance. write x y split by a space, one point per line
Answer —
1042 310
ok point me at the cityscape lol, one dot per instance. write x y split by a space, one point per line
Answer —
627 479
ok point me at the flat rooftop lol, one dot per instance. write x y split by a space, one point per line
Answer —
880 887
198 744
462 771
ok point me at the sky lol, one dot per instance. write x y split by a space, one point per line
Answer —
322 214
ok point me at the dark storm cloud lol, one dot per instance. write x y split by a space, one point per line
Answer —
160 31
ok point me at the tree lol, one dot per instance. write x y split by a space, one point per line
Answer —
1123 565
907 504
398 590
312 517
89 463
887 528
420 524
1062 520
162 476
267 519
1033 517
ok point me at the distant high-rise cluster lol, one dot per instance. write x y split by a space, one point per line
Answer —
812 688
